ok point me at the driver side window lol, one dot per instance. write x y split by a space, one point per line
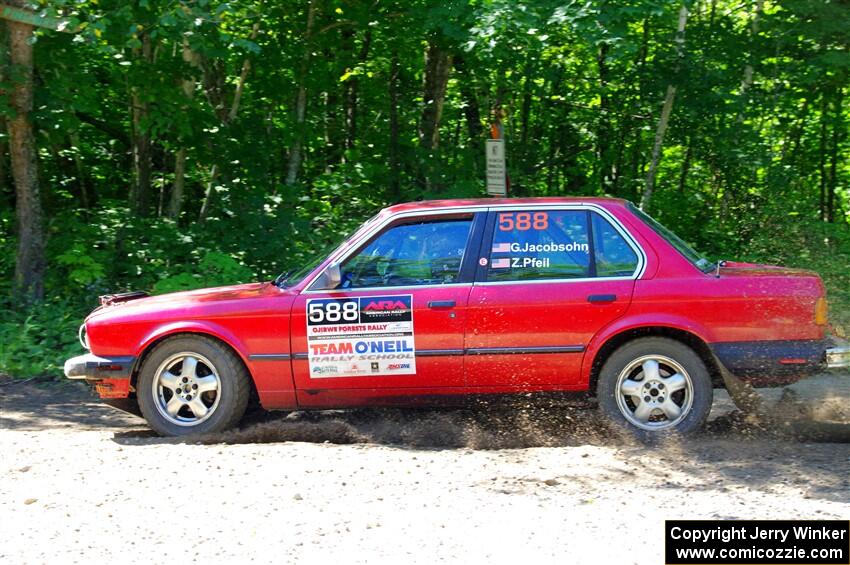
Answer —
411 254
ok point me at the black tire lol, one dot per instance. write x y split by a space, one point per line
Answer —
229 400
692 414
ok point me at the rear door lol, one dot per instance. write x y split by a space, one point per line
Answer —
549 278
398 318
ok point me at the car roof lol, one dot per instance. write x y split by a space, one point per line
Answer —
467 202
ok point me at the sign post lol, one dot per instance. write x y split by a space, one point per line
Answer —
496 171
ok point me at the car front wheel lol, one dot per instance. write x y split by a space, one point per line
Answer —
192 385
654 387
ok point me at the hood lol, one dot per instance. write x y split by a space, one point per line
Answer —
186 300
735 268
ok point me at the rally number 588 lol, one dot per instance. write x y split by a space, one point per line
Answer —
332 312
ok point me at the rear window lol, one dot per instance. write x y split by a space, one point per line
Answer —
688 252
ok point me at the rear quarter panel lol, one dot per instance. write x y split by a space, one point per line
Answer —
734 309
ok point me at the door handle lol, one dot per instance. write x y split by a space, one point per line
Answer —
441 304
601 298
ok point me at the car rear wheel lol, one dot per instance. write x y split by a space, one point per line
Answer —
654 387
192 385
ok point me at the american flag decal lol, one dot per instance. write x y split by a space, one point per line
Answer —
501 248
501 263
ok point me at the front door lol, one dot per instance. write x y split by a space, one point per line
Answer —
397 319
550 278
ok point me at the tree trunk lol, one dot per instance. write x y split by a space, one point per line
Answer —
837 129
226 117
87 196
603 129
351 98
345 54
792 145
822 157
655 160
295 152
29 262
438 63
747 81
175 202
240 84
552 133
686 166
4 181
395 173
140 193
68 165
661 130
525 106
636 153
471 110
7 188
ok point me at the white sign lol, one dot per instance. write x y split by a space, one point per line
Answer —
361 336
496 174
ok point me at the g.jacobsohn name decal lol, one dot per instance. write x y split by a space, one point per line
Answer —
765 542
360 336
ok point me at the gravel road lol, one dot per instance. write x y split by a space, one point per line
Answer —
80 482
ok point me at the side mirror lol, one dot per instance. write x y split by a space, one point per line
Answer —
330 278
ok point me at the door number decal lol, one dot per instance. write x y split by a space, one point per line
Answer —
361 336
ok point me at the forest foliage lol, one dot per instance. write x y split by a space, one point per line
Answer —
189 143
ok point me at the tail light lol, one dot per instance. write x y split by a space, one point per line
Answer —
821 311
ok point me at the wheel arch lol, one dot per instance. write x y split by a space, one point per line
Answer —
172 331
684 336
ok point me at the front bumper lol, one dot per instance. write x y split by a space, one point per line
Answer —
110 376
838 356
92 367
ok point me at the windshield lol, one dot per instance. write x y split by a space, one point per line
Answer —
292 278
686 250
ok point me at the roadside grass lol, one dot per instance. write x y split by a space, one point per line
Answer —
36 341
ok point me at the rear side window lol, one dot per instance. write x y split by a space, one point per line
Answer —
557 244
538 245
614 257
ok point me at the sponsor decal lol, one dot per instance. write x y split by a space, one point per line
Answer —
346 335
386 309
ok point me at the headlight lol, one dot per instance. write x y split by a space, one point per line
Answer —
84 339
